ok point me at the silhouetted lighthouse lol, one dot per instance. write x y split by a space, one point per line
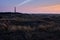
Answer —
15 9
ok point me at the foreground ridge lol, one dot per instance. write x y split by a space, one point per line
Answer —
18 26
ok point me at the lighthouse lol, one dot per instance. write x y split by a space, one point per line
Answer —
15 9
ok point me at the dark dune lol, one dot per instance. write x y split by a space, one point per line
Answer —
19 26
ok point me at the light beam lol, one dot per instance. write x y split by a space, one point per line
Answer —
26 1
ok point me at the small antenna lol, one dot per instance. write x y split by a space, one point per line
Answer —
15 9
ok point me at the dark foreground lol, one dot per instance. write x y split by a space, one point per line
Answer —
35 35
17 26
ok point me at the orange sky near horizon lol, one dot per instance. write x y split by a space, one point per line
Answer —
40 9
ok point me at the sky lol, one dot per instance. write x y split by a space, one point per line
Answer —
30 6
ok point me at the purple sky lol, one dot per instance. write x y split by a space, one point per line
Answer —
30 6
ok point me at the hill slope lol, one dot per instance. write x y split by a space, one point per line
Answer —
18 26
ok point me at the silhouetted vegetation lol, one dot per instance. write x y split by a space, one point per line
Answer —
19 26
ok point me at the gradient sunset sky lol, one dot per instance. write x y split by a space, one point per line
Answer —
31 6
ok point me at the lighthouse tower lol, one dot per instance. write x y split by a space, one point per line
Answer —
15 9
